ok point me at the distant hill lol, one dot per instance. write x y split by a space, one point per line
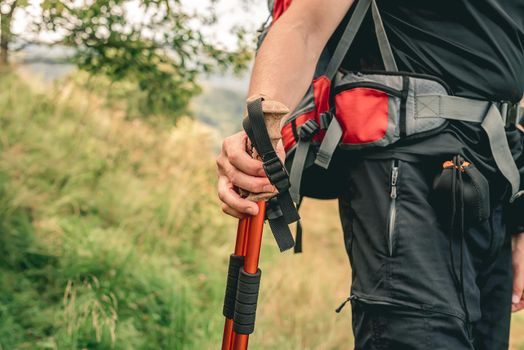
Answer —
220 108
220 105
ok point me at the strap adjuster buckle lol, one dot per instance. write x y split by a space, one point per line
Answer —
511 113
308 130
276 172
325 119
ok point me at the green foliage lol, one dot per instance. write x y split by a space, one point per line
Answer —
7 11
162 52
109 233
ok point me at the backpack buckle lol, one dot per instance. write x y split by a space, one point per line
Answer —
325 119
514 115
308 130
276 172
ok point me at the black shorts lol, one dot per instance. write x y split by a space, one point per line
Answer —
414 286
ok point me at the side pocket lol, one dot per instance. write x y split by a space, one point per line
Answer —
392 217
471 189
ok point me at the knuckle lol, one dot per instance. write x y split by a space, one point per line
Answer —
259 187
221 195
234 156
226 143
232 175
234 178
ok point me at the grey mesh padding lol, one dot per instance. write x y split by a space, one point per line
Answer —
419 87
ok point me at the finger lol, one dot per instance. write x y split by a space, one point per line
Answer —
518 306
232 212
231 198
249 183
234 150
253 184
518 283
240 159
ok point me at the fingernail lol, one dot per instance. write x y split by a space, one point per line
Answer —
268 188
515 299
261 172
251 211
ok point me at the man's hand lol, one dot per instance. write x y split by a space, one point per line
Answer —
236 169
518 272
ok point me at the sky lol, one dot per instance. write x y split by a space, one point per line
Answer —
230 13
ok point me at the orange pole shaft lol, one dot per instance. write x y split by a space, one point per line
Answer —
252 257
240 250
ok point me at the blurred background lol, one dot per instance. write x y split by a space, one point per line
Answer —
111 236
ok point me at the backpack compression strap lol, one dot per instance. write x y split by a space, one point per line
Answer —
281 210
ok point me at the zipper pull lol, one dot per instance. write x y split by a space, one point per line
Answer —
394 180
339 309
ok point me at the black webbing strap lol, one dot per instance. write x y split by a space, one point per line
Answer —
298 234
281 210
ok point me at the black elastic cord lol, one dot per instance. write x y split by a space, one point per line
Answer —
452 222
462 238
457 195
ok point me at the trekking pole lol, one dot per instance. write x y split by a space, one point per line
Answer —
249 281
243 281
236 261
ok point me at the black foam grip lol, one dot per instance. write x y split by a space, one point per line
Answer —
246 302
235 264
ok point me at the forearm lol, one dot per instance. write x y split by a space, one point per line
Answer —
286 62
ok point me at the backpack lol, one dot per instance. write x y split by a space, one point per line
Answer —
357 111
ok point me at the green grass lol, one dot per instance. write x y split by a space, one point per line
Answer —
110 236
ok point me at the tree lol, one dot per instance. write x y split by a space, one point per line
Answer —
163 52
7 10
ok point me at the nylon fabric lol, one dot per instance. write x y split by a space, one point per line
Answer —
363 115
407 297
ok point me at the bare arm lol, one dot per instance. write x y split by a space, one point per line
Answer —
286 62
283 70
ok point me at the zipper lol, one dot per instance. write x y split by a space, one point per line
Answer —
354 297
392 205
401 305
368 84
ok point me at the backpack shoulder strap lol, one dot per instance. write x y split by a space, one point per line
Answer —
350 33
